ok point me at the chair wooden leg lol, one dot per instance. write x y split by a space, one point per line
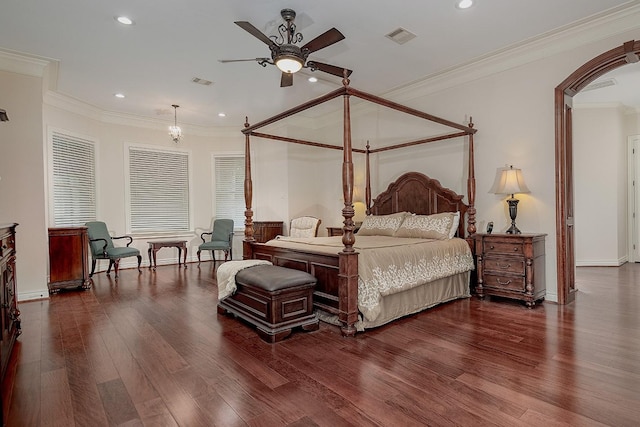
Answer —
198 257
139 262
93 267
213 255
116 264
109 268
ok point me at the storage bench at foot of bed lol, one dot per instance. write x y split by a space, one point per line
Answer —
274 299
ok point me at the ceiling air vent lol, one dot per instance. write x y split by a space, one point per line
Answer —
600 84
202 81
400 36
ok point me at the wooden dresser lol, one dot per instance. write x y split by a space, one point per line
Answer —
68 258
267 230
512 266
9 313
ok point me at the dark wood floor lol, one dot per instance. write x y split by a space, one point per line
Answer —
151 350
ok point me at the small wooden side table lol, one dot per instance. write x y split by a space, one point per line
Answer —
155 246
337 231
264 231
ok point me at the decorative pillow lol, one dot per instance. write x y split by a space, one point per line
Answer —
381 225
454 226
436 226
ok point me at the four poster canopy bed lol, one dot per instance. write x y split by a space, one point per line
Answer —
410 252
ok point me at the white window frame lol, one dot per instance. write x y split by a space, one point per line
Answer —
51 201
238 225
128 197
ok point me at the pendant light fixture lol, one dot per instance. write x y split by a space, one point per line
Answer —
174 131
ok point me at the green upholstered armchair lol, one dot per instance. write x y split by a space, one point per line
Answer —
101 244
221 239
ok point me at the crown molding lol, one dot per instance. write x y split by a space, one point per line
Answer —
22 63
592 29
82 108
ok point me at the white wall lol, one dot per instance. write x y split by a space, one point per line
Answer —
600 185
22 191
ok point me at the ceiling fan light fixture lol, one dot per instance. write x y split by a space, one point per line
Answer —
289 58
289 64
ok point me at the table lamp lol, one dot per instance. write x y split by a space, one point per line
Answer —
510 181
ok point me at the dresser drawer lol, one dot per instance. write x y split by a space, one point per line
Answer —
504 265
504 282
514 247
7 245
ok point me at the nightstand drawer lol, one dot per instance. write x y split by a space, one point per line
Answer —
514 283
504 265
504 247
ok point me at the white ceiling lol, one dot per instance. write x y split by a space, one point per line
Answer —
154 61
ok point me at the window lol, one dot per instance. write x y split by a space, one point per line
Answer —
158 190
73 180
229 188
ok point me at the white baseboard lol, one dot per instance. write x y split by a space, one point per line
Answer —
602 263
34 295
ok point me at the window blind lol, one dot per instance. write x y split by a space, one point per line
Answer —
74 180
158 190
229 188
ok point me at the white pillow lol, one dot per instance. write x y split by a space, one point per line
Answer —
454 226
381 225
437 226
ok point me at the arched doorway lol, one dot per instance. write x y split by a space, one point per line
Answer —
564 94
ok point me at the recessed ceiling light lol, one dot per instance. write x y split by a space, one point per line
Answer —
124 20
313 79
464 4
222 115
119 95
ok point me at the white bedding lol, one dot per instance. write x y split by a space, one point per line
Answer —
389 265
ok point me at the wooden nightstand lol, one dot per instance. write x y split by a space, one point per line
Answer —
334 231
337 231
267 230
512 266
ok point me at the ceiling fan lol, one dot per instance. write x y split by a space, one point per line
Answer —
287 55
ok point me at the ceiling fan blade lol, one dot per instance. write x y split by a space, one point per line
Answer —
331 69
286 79
224 61
325 39
248 27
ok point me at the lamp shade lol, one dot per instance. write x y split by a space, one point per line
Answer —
509 181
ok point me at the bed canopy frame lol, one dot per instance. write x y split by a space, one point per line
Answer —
348 257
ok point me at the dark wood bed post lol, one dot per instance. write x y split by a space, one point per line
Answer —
367 188
348 257
248 186
471 187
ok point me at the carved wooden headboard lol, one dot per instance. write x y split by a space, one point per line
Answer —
417 193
